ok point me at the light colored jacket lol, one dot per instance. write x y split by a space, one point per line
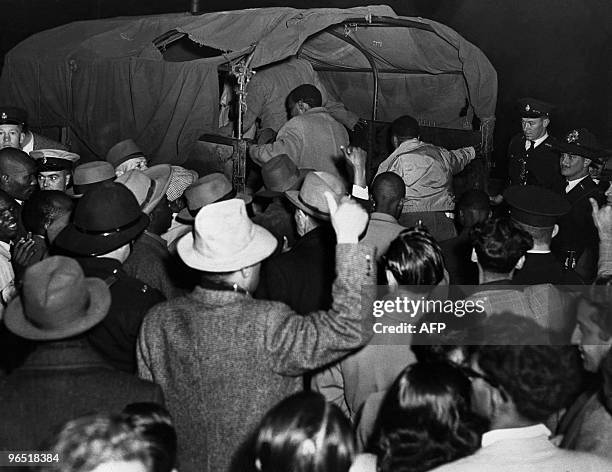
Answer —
428 172
312 140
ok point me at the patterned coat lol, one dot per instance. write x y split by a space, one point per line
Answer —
223 359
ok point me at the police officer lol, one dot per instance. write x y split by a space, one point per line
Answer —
537 211
54 168
578 240
531 160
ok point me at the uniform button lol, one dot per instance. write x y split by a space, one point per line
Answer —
144 288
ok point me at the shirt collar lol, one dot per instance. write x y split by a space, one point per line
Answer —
5 250
573 183
538 251
383 217
537 142
527 432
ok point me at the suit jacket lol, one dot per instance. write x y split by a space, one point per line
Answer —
223 359
115 337
544 304
58 382
577 231
382 230
542 165
302 277
529 451
151 262
543 269
587 426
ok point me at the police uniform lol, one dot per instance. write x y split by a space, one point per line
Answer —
55 160
18 116
534 165
539 208
578 239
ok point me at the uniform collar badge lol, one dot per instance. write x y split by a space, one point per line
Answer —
4 116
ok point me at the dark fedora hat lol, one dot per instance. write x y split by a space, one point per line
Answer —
280 174
311 196
105 218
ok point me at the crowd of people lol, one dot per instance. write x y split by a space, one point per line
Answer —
154 319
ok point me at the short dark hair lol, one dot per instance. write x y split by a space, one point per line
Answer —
304 433
426 420
540 378
43 208
154 423
499 244
307 93
415 258
405 127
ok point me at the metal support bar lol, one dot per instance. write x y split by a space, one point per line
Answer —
328 68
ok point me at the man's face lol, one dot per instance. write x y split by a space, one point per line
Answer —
139 163
21 182
593 343
11 136
54 180
573 167
8 221
534 128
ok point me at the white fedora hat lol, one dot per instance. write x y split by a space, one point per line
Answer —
224 239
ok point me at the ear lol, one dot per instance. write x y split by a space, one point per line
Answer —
246 271
474 256
391 280
520 263
546 122
555 231
68 179
587 163
395 141
21 138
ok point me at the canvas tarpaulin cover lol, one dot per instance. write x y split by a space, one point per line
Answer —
107 81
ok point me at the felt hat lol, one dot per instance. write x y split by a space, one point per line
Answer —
535 206
123 151
279 175
105 218
209 189
57 301
13 116
89 175
311 199
224 239
148 186
533 108
48 160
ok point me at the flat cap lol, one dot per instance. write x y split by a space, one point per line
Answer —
535 206
533 108
13 116
54 159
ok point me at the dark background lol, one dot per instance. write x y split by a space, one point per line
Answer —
555 50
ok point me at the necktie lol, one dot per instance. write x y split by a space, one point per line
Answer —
529 145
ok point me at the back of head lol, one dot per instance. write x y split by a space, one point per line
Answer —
405 127
415 258
154 423
88 442
499 244
9 157
308 94
304 433
540 377
43 208
388 190
425 419
473 207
